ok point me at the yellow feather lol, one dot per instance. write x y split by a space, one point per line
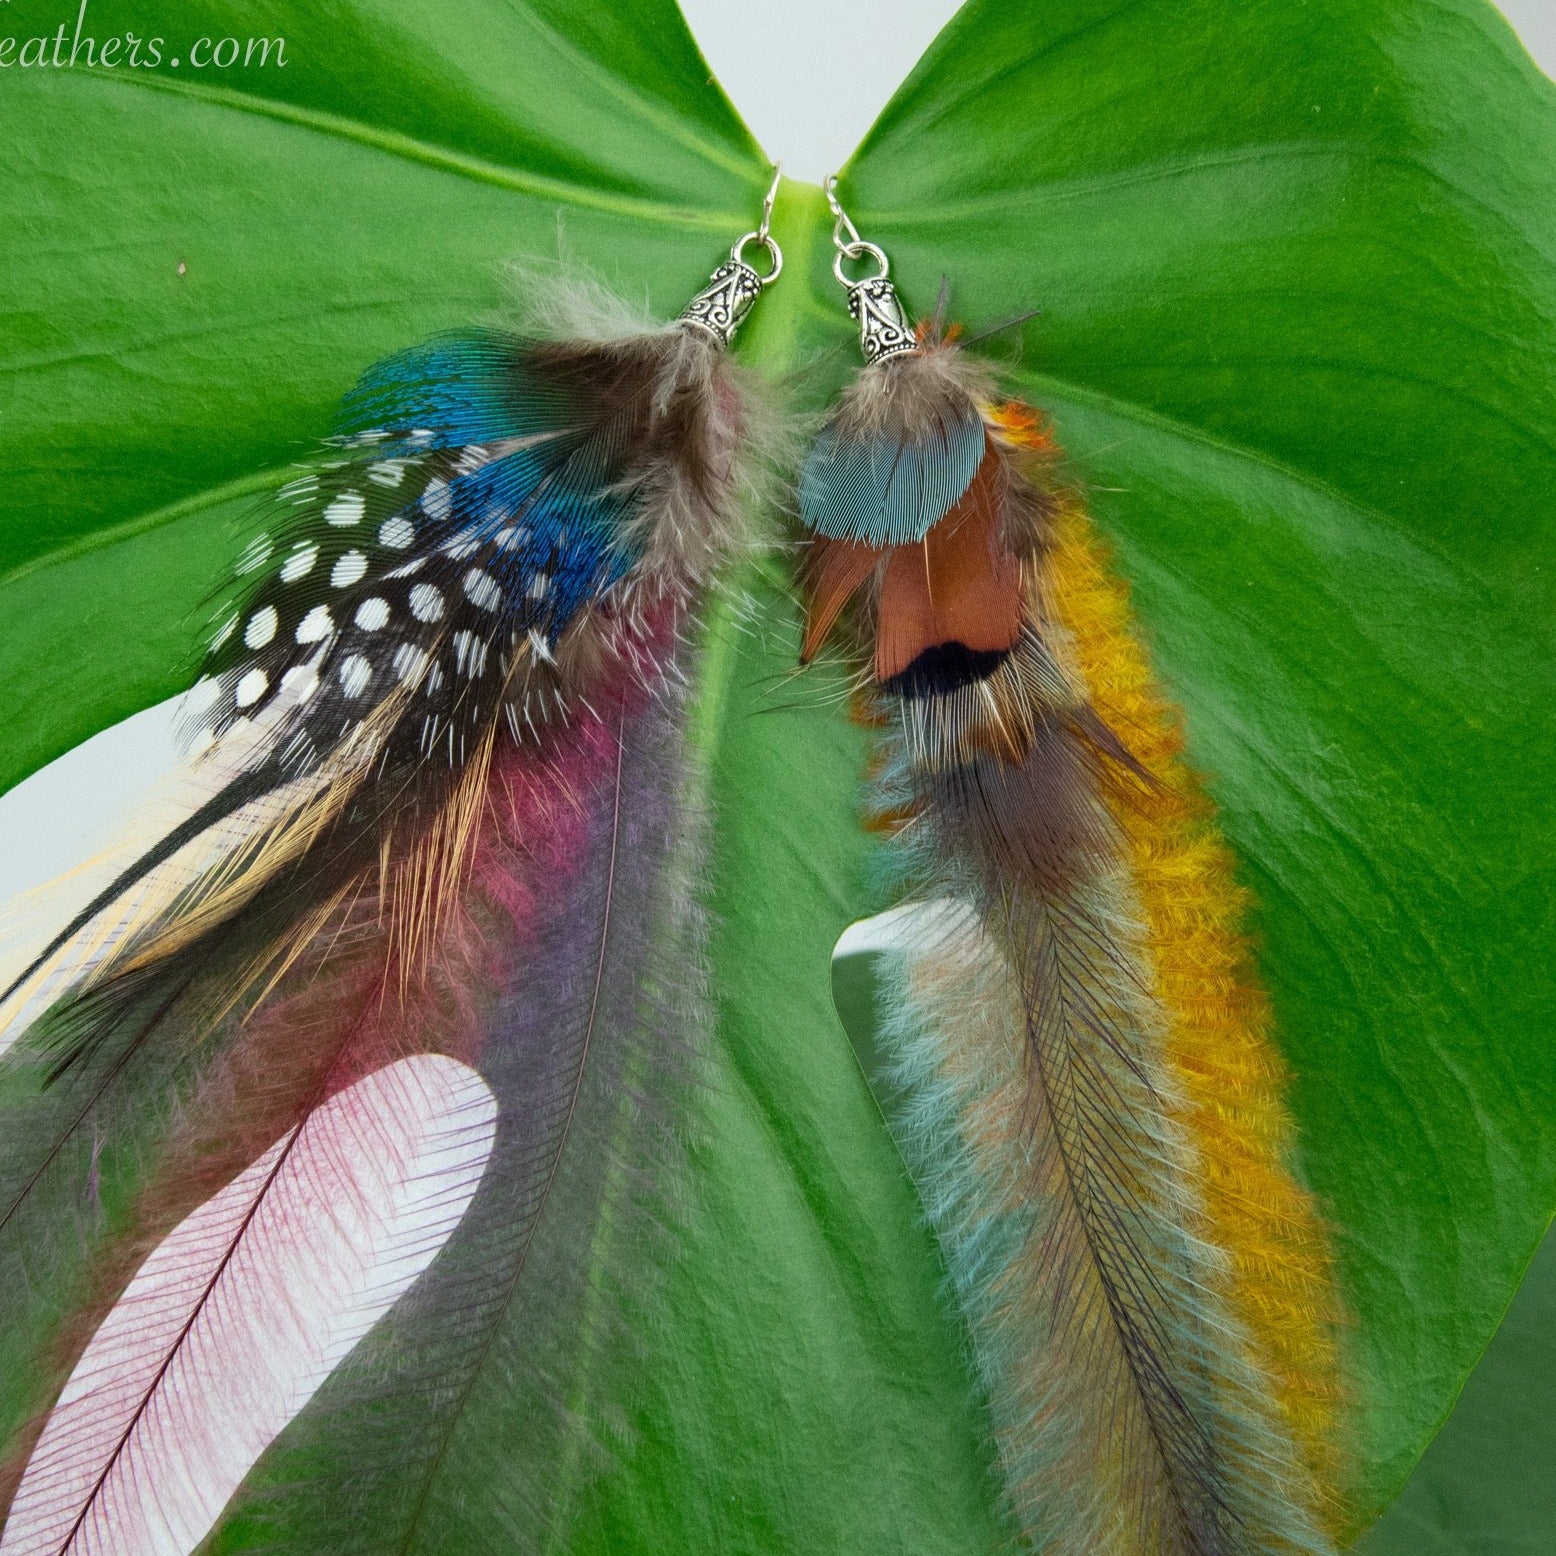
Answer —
1219 1040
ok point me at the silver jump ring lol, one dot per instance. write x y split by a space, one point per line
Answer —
774 253
857 250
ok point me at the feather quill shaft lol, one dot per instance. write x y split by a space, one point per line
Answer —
279 1275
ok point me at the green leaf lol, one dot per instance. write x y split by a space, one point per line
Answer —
199 262
810 1393
1297 272
1484 1484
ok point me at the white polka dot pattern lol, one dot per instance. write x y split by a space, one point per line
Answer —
261 627
372 614
251 688
346 510
396 563
349 569
356 675
316 625
299 564
426 602
481 590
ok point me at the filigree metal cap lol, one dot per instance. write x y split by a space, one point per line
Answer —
730 294
884 328
733 288
885 331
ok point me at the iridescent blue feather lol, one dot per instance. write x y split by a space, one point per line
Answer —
482 497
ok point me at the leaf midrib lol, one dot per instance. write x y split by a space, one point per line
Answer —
428 153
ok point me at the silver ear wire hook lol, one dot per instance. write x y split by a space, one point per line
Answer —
763 234
844 222
733 288
884 328
768 202
852 246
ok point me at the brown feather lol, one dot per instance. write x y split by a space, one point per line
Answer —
960 584
836 569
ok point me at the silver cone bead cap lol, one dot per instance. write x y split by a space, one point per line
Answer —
884 328
730 294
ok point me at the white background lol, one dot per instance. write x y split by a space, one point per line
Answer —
810 77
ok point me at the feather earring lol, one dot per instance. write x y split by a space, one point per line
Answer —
432 929
1091 1105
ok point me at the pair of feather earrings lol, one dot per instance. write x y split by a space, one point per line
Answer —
427 952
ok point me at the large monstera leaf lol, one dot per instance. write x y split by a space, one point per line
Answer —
1296 274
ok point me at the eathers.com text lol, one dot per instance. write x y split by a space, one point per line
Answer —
71 47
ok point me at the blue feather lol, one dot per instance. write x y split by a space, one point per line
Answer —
453 390
480 497
888 491
556 494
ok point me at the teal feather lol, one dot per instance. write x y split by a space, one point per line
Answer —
888 491
1037 1105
